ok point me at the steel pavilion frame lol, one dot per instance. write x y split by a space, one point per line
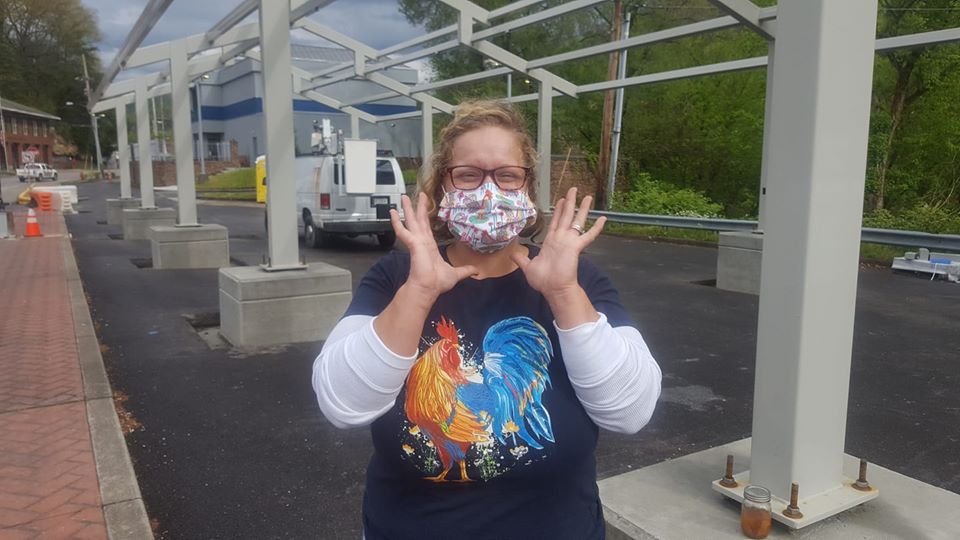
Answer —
814 150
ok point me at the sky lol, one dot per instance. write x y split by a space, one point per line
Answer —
377 23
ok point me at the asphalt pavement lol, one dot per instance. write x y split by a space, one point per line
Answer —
232 443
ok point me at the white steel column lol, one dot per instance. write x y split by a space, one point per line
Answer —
354 126
143 145
123 151
182 134
278 120
765 158
427 129
544 134
817 157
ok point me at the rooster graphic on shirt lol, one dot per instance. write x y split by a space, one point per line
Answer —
482 411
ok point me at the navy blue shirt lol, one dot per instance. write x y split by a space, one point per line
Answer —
488 396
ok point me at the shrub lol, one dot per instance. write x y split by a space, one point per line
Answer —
922 217
649 196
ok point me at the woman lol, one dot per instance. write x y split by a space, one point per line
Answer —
485 366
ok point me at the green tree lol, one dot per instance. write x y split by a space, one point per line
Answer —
913 153
41 43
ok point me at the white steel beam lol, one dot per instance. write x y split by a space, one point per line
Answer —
673 75
747 13
344 72
183 135
371 99
145 22
231 19
123 150
398 116
818 136
765 157
452 29
923 39
144 158
404 90
278 120
301 80
693 29
332 35
426 127
107 104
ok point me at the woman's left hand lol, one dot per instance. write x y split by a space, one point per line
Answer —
553 272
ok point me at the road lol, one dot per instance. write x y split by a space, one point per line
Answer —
233 444
11 187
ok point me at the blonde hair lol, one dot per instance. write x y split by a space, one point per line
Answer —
472 115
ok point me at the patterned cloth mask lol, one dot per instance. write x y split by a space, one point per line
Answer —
487 218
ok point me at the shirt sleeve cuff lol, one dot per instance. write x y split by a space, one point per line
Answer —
383 352
581 329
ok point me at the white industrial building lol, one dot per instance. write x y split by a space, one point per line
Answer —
232 100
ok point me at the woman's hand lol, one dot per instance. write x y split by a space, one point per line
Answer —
430 275
553 272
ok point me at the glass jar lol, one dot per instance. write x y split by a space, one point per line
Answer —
755 512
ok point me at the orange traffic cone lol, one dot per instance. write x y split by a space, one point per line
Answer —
33 228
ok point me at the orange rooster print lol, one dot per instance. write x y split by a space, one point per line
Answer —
485 411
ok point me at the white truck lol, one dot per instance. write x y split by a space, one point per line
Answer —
347 192
37 172
328 206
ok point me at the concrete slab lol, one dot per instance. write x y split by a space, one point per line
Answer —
259 308
137 221
202 246
674 500
115 208
738 261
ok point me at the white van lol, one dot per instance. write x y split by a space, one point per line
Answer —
325 208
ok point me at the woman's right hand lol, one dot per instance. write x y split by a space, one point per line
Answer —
430 275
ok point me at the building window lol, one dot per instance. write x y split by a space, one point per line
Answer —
36 131
14 124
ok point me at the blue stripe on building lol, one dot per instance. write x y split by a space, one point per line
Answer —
254 105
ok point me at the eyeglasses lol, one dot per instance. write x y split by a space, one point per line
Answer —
509 178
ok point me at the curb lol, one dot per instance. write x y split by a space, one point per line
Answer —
123 509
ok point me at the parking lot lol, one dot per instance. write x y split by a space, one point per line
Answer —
229 443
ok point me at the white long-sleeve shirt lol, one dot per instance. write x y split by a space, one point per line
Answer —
357 378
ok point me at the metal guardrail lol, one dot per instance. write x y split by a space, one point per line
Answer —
890 237
679 222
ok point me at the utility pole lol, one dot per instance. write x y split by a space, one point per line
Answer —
606 126
93 117
618 119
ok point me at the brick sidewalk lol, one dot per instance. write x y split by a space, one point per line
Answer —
48 477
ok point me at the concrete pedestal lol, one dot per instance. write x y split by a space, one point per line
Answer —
202 246
115 208
137 221
259 308
738 261
673 500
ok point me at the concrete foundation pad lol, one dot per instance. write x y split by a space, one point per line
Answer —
115 208
259 308
674 500
738 261
137 221
202 246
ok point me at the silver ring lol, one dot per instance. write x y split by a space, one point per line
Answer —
578 228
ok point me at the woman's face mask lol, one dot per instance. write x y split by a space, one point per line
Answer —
486 218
